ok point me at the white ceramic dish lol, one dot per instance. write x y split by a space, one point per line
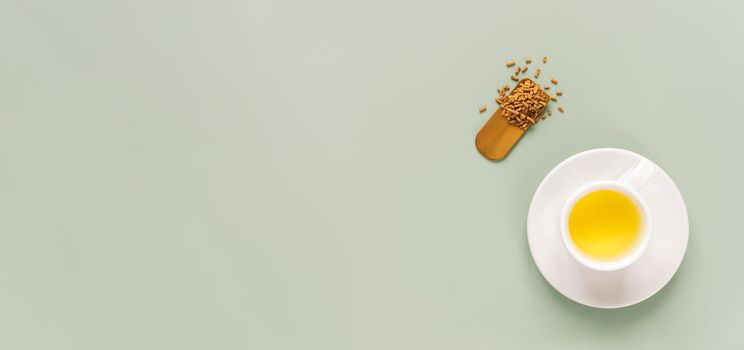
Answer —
606 289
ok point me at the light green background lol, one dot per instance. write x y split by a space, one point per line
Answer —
301 174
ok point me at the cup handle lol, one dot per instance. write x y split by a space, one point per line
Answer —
638 175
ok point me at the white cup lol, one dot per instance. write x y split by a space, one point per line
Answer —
630 183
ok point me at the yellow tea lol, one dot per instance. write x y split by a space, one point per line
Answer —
605 224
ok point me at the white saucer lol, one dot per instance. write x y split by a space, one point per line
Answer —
614 289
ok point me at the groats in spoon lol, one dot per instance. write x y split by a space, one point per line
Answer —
498 136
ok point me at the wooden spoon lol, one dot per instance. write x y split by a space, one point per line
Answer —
498 136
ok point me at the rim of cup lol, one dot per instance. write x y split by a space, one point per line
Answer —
613 264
